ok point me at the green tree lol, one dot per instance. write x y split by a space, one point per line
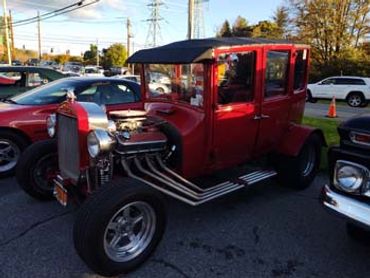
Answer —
90 55
335 30
241 28
115 55
281 20
266 29
225 30
62 58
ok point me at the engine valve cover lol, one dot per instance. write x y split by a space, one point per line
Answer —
154 141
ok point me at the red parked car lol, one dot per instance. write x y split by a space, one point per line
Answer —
23 117
232 101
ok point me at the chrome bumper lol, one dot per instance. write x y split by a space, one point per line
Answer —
345 206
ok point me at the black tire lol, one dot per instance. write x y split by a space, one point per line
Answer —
355 99
358 233
19 143
36 168
95 215
299 171
310 98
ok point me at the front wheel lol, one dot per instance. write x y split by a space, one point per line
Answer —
119 227
309 97
299 171
37 167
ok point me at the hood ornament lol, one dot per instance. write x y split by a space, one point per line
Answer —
71 96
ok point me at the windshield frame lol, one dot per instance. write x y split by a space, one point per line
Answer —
204 77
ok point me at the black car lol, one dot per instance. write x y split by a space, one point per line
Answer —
18 79
349 191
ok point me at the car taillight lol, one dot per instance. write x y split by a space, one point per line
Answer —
360 138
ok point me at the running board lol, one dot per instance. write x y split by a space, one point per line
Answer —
153 171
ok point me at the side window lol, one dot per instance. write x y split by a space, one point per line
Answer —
34 79
116 94
276 78
89 95
236 73
328 81
300 70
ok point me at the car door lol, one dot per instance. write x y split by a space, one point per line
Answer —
276 101
236 104
325 89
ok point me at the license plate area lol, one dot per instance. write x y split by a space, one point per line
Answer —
60 193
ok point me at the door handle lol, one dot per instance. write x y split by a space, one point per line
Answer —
261 117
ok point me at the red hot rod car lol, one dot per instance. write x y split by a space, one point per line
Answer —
231 101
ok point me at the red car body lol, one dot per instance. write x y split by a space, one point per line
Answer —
212 137
28 122
232 101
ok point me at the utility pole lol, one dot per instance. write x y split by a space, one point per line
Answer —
128 26
190 19
128 30
7 33
39 33
11 32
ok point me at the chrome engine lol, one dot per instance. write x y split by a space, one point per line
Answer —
135 135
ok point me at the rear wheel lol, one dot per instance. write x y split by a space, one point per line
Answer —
37 168
299 171
355 99
119 227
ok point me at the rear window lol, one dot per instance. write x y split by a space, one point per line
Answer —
350 81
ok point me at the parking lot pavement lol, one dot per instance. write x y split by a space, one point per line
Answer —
343 111
264 231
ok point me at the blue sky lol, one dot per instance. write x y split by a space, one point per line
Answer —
106 21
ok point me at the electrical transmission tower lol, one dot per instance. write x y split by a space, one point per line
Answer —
198 26
154 31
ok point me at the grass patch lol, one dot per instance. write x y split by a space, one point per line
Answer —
329 127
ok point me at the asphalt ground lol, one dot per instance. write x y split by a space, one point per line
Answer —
320 110
264 231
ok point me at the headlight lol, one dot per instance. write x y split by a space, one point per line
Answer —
99 142
51 124
350 177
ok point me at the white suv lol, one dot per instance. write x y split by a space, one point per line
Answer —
353 89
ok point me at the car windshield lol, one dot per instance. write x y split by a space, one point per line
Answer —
180 83
51 93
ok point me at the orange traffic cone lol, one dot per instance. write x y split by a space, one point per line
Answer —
332 113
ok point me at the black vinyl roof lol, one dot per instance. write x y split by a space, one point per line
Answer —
191 51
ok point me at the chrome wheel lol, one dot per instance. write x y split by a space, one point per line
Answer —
308 160
9 155
354 100
129 231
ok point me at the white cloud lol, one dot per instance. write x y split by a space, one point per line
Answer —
94 11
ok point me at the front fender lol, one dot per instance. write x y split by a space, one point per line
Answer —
295 138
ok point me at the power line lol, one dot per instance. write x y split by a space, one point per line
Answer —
54 13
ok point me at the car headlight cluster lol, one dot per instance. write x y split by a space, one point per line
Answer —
51 123
99 142
352 178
